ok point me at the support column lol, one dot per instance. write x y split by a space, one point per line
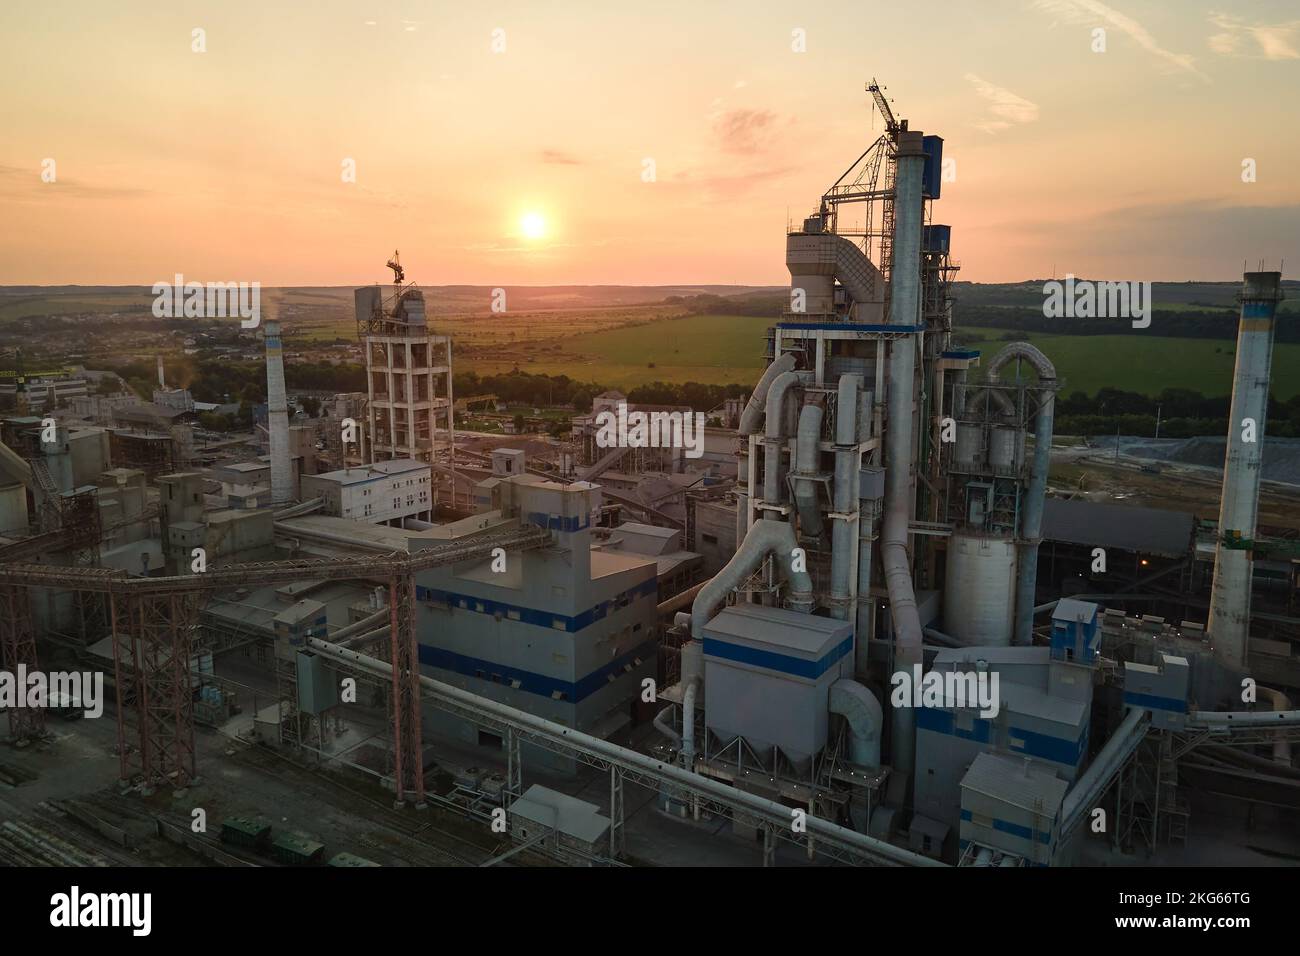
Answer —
408 775
18 650
616 830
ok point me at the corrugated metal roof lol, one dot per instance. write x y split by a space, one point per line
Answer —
778 629
1015 781
1129 527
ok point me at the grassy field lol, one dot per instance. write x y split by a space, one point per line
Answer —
1146 363
723 349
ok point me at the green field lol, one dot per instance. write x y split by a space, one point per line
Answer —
1147 363
722 349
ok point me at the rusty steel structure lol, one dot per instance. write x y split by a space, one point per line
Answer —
18 651
154 620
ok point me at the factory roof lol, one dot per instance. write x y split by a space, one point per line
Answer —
605 563
1016 781
561 812
380 469
1128 527
1072 609
790 632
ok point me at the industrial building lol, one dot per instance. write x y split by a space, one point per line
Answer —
862 603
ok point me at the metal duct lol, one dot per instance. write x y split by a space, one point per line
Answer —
860 708
904 311
277 417
773 441
1088 788
806 461
1031 521
751 419
765 537
847 463
1229 621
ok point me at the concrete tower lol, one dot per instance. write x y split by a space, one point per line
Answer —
277 417
1229 623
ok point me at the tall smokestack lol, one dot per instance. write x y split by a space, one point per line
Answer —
1229 623
162 381
277 417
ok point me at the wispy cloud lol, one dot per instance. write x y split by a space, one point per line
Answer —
556 157
25 185
740 131
1079 12
1276 41
1007 108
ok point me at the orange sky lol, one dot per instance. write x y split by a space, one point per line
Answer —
226 165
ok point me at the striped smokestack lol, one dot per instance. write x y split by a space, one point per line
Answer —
1229 624
277 417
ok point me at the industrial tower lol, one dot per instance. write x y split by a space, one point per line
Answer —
408 374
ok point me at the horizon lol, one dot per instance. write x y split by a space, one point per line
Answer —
478 144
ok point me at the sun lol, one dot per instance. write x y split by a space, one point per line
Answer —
533 225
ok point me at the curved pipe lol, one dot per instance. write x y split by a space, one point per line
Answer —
663 728
765 537
860 708
774 436
751 419
688 726
806 456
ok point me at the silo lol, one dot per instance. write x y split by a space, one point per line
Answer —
1006 447
969 453
979 589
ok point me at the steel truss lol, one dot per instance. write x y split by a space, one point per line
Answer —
18 650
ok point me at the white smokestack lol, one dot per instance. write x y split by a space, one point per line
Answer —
277 417
1229 624
162 381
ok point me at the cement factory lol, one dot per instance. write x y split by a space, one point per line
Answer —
861 627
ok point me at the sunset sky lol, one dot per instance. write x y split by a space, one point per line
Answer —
525 166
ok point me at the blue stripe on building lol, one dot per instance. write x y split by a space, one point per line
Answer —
798 666
1043 746
1015 829
1153 702
1258 310
548 619
531 682
565 523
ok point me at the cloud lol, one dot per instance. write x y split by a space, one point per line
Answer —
1275 41
1079 12
741 131
1007 108
557 157
25 185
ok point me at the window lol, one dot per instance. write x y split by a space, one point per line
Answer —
513 615
710 539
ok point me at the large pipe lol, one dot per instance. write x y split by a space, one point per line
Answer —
751 419
595 746
847 463
806 457
860 708
660 724
774 439
679 601
277 416
688 726
765 537
1229 621
904 312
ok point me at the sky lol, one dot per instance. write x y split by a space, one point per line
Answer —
513 143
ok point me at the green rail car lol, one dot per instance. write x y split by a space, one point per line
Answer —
294 849
246 832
